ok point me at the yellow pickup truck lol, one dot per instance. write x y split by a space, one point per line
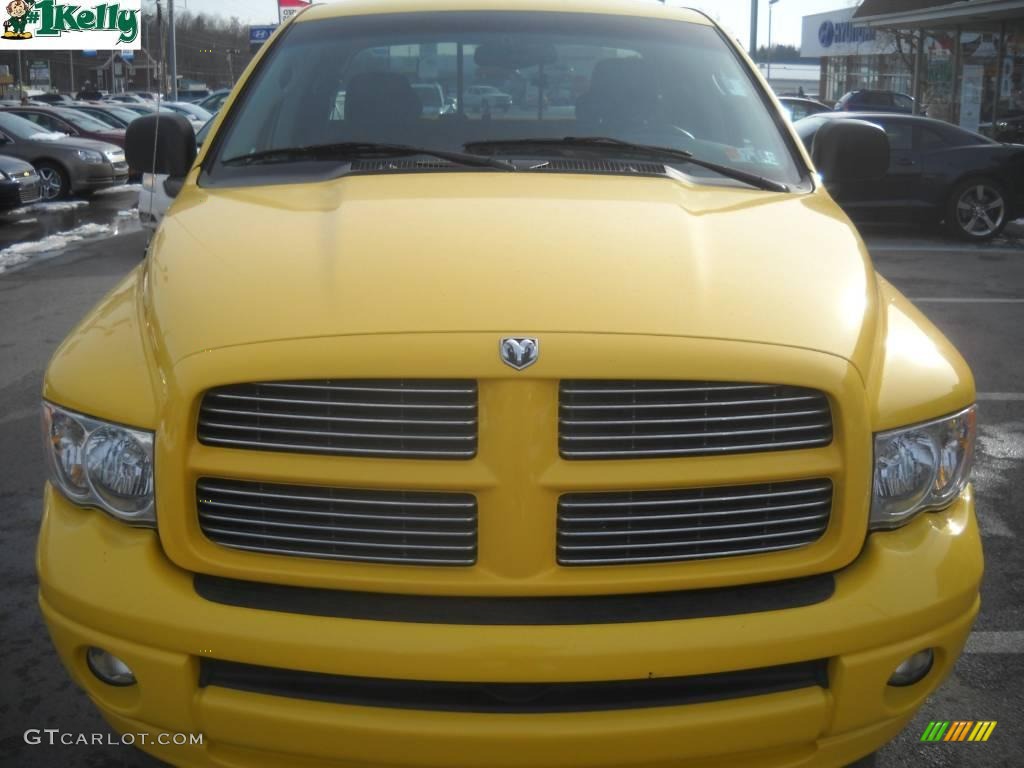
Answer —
578 433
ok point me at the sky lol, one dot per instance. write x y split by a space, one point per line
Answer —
734 15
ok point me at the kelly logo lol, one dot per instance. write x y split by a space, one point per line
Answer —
958 730
51 25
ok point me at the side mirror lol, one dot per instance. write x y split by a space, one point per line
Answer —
850 150
173 138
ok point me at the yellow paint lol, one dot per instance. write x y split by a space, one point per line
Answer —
631 278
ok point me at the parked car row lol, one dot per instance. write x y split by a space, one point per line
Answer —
76 147
66 164
938 174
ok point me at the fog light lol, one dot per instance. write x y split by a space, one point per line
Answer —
108 668
913 669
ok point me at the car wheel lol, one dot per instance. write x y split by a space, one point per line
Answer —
977 210
54 181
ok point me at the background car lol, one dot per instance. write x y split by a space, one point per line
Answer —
154 198
479 98
937 173
192 95
66 164
1009 128
195 114
57 99
215 100
431 96
798 107
19 183
875 101
114 114
132 98
72 122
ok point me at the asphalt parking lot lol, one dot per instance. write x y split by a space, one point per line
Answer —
975 294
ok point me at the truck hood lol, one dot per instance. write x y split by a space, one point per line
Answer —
509 254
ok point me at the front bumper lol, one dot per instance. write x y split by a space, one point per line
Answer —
108 585
100 176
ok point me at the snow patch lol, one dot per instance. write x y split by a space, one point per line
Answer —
131 213
119 189
19 253
53 207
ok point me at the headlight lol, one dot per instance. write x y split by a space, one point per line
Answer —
921 467
96 463
88 156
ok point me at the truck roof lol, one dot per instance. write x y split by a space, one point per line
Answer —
649 8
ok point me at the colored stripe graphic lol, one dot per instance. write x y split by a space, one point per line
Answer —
958 730
935 730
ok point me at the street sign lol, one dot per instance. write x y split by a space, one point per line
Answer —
128 56
89 54
288 8
258 35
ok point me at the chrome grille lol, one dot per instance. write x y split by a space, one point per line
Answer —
29 192
405 527
401 418
693 524
652 419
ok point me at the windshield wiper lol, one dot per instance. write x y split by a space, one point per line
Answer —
628 147
348 150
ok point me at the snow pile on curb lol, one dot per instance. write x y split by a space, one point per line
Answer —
19 253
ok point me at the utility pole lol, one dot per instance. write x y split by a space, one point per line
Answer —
753 28
71 68
21 85
172 58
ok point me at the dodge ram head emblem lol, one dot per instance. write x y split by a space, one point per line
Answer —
519 352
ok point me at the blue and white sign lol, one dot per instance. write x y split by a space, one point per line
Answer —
836 34
260 35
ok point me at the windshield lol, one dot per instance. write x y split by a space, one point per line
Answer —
508 76
82 121
191 110
19 127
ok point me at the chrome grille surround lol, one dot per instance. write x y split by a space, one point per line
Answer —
659 419
398 418
623 527
400 527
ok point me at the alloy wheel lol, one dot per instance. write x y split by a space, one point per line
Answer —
980 210
51 182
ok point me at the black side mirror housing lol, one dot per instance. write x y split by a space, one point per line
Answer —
173 137
850 150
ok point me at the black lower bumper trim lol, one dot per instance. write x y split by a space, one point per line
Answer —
522 611
512 698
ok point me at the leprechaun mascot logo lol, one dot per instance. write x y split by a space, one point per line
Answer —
14 27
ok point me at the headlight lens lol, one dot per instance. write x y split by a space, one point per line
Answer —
96 463
88 156
921 467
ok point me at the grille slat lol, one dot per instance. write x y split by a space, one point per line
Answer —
404 527
392 418
663 419
615 527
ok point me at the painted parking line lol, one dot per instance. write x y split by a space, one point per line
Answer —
995 642
1000 396
963 300
967 249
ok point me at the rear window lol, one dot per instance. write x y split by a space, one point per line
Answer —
506 76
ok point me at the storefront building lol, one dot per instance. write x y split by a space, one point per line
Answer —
962 61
